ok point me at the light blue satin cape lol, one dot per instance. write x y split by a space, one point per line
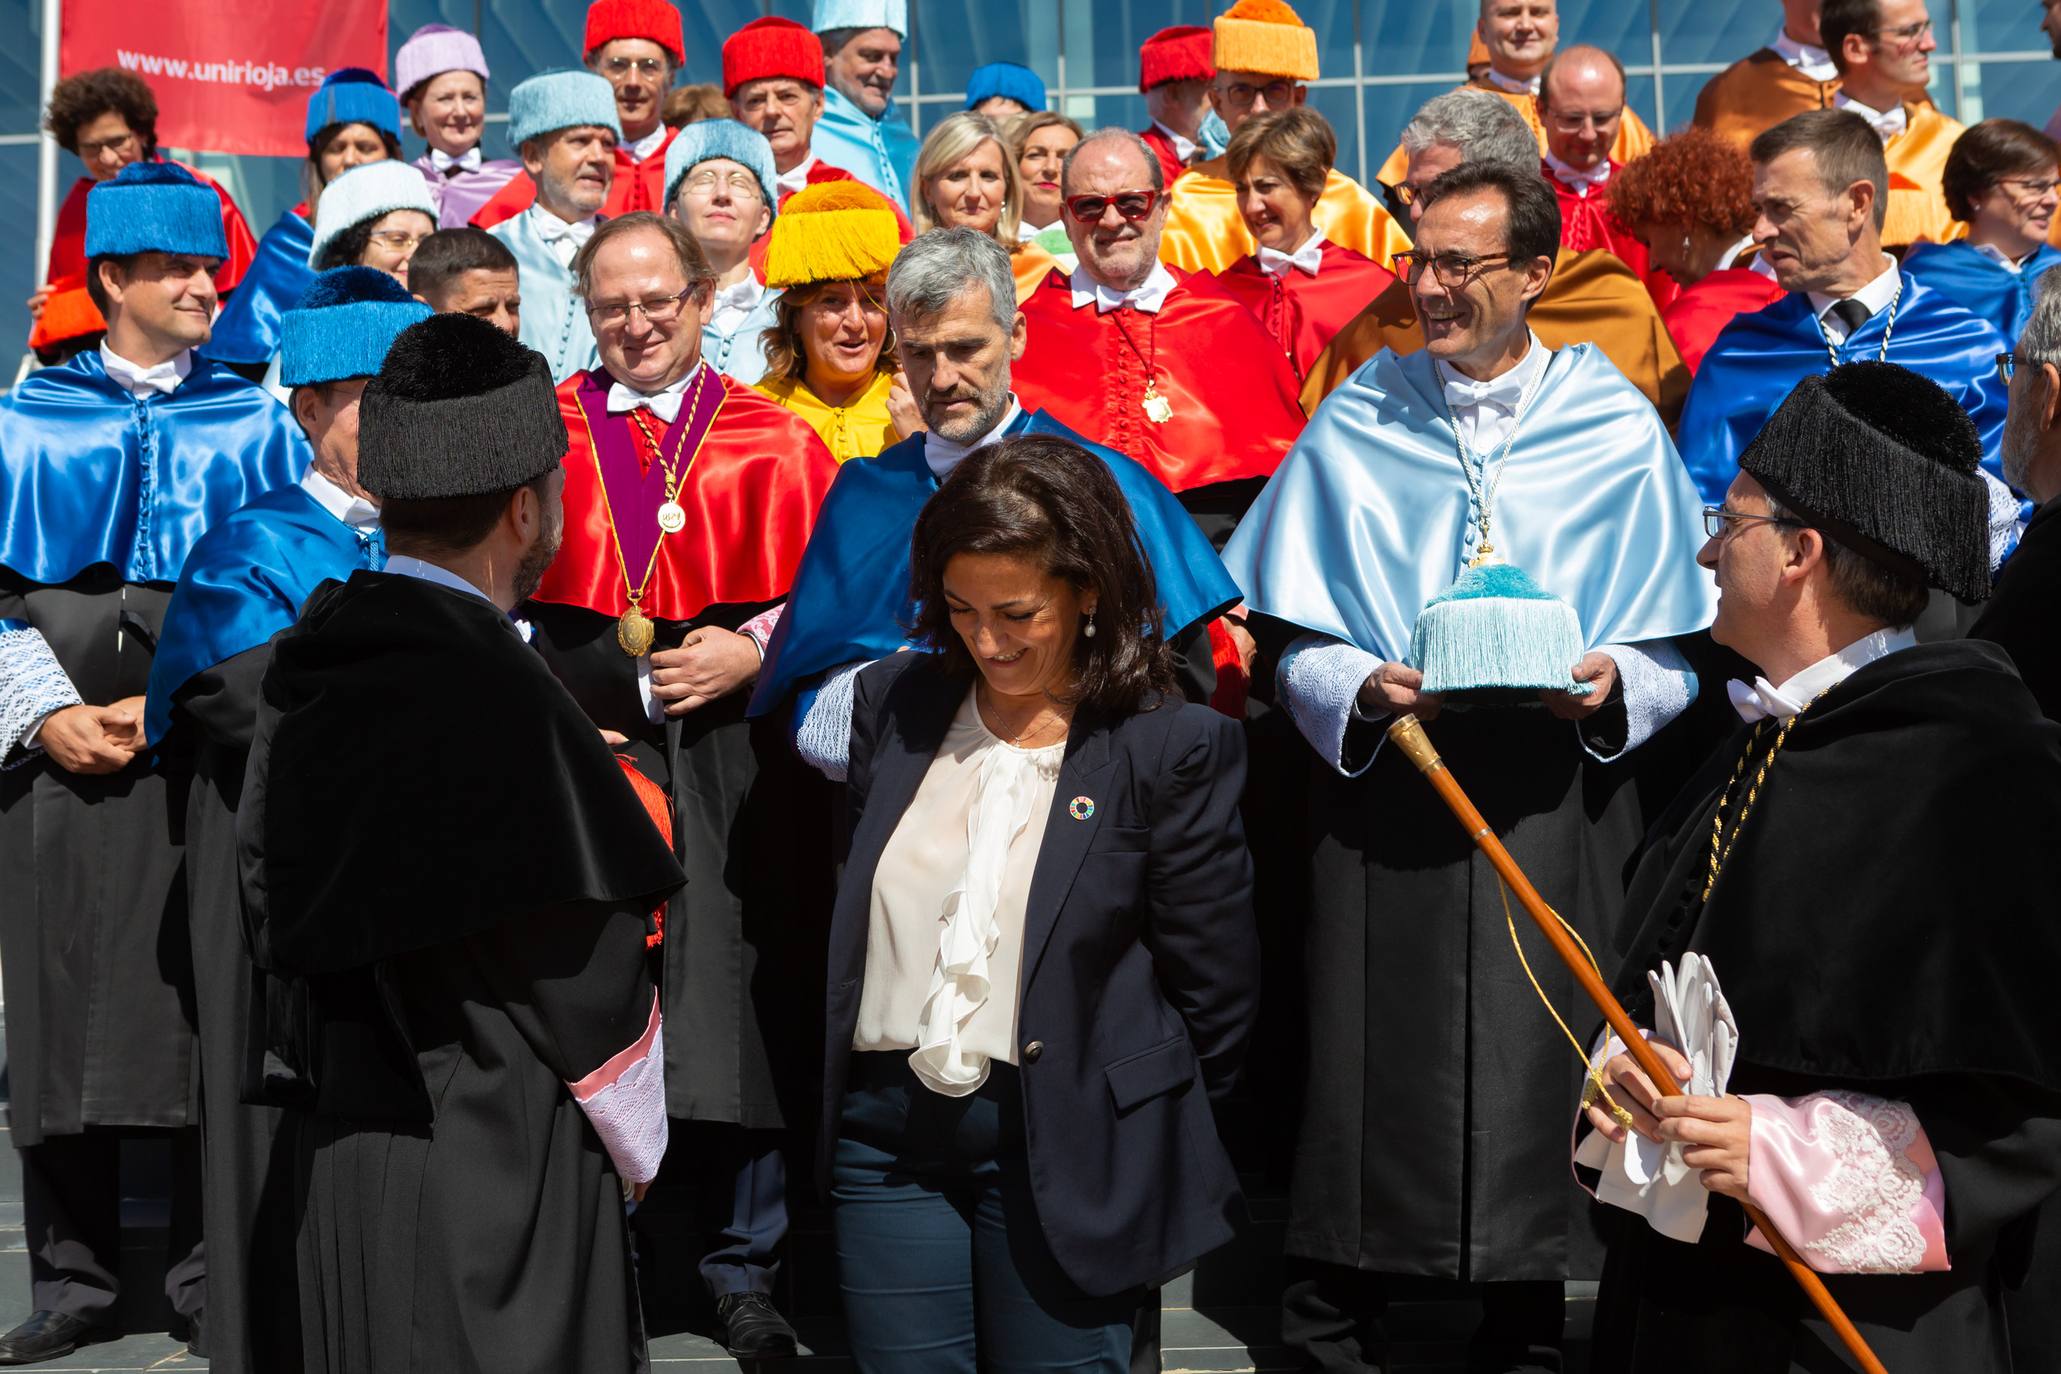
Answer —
851 594
741 355
244 582
1758 359
90 474
880 152
247 331
1370 517
554 321
1986 287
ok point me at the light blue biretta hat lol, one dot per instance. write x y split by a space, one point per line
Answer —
352 95
364 192
564 98
1494 632
1019 83
862 14
343 325
155 207
696 143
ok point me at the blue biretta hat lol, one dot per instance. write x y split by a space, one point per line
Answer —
154 207
696 143
352 95
1495 631
1010 79
862 14
343 325
565 98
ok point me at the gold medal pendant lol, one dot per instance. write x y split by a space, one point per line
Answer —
1157 408
634 632
671 518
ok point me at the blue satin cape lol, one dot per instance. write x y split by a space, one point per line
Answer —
1370 517
244 582
247 330
880 152
1991 291
90 474
1758 359
851 594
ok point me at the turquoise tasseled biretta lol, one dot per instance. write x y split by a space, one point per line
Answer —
1496 631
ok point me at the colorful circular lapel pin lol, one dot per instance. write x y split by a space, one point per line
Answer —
1081 808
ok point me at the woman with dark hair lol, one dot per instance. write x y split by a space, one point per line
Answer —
352 119
1042 959
1303 287
107 118
1690 201
2000 181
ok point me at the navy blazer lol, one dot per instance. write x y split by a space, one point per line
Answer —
1140 974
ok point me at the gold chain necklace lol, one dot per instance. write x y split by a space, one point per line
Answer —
634 631
1720 847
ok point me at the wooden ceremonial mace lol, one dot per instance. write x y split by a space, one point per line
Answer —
1408 734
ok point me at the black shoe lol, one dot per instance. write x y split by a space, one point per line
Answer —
753 1328
46 1336
196 1335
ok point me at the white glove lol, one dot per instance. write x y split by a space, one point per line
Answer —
1640 1175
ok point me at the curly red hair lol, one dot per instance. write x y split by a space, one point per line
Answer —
1691 177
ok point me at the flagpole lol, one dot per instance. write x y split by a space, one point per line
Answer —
46 147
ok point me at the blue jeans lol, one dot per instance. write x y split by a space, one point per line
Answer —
939 1252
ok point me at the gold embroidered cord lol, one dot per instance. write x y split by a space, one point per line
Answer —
1594 1074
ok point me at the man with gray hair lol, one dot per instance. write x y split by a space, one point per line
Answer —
1592 297
1191 384
1820 187
952 303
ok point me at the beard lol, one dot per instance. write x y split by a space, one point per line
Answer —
966 431
536 561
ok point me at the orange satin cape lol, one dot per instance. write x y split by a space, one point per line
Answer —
1917 164
1230 389
1633 137
1756 93
1592 298
751 492
1205 233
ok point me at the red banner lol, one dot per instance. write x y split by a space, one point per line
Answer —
229 77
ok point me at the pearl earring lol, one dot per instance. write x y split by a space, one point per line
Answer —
1686 245
1089 629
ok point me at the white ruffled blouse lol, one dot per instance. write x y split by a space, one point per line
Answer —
945 941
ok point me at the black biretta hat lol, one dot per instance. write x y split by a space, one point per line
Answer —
1884 461
458 409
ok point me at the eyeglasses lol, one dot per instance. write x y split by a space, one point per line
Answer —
1453 271
1907 36
1278 93
2007 365
742 185
616 68
657 310
1718 522
400 240
1571 121
1132 205
119 144
2032 187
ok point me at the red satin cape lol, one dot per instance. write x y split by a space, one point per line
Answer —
1235 413
1303 312
1699 313
1586 223
751 495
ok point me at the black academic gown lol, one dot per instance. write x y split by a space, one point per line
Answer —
744 939
93 943
1881 926
253 1293
452 936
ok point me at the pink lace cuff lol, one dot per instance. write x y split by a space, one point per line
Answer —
625 1101
1850 1180
759 629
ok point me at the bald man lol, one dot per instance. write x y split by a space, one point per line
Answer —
1521 37
1581 103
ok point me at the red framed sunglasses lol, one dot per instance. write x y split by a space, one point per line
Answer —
1132 205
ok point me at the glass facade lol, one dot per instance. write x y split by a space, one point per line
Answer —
1380 61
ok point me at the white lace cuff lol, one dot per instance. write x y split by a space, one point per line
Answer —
625 1102
1319 681
1658 685
823 735
32 685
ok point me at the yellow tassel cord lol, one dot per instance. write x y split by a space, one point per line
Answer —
1594 1075
835 231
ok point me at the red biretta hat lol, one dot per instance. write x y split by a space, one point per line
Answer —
772 47
1181 53
608 20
